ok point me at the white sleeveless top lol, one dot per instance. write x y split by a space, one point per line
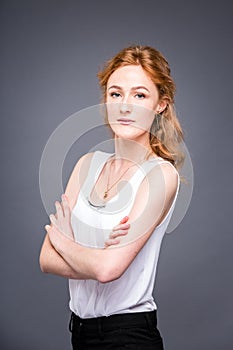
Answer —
132 292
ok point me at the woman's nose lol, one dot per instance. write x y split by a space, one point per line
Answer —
126 106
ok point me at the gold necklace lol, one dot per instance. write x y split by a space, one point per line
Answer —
109 188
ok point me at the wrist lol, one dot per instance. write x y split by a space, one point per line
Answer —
60 243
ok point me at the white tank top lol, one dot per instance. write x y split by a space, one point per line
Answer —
132 292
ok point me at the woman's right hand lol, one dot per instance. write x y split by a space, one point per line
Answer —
62 218
120 230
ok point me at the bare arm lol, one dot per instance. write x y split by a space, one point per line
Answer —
50 260
151 204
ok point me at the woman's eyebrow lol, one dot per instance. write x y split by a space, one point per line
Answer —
140 87
133 88
115 87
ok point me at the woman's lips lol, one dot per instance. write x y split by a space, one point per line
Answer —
125 121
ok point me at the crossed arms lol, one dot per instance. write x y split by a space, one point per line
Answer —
62 256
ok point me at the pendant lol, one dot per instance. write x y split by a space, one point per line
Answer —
105 194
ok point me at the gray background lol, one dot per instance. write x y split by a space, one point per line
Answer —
50 54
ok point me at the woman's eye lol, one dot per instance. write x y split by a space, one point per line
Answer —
140 96
114 94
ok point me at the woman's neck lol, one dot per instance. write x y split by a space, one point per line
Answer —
128 151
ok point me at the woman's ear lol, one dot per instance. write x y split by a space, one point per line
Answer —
161 106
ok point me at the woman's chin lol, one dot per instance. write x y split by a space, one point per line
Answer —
128 136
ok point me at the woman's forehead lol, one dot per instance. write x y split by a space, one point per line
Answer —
130 75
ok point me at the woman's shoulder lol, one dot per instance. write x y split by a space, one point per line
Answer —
164 164
164 172
82 165
87 158
77 177
84 159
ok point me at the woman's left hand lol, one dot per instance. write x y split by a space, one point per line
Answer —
118 231
61 219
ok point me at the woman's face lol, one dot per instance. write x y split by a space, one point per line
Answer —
132 102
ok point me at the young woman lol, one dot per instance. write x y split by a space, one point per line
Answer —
107 231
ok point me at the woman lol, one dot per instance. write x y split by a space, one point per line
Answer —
107 231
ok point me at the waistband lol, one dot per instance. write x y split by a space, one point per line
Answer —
148 318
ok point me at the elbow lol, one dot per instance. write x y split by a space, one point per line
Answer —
43 264
43 268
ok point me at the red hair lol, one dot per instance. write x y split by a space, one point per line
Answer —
166 132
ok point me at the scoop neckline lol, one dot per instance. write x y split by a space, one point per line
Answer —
101 169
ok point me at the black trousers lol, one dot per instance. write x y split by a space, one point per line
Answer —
136 331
